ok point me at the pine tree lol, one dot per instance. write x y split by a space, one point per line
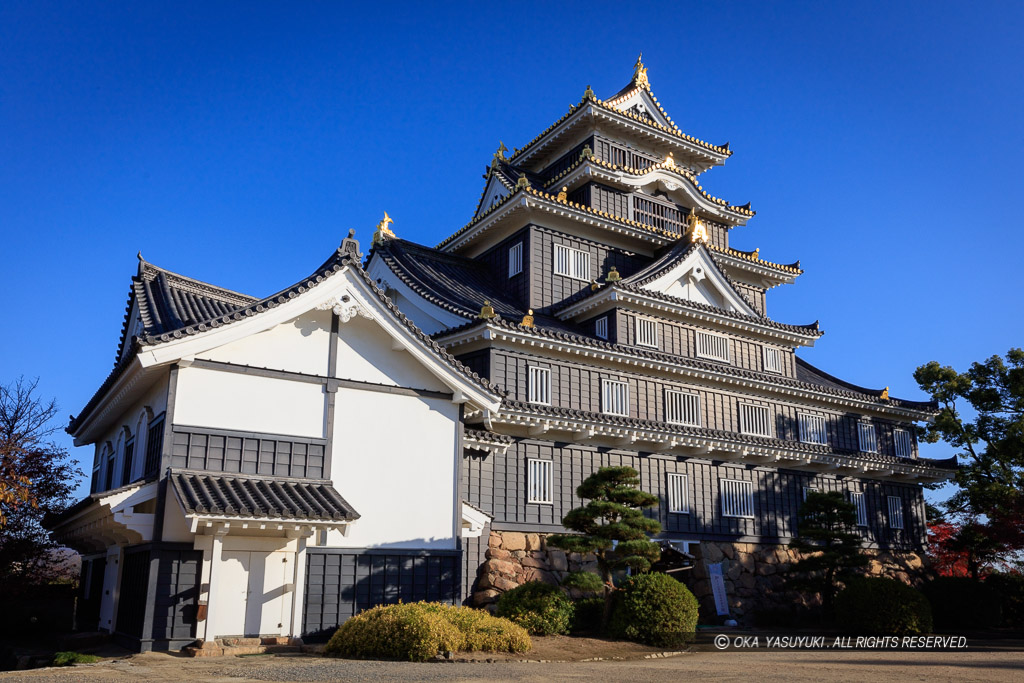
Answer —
827 536
612 525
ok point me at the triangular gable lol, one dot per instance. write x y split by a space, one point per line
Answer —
642 104
494 192
697 278
347 292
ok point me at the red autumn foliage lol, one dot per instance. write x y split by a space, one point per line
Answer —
946 560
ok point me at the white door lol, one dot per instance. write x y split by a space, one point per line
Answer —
254 597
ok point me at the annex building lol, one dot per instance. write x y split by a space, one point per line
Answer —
409 423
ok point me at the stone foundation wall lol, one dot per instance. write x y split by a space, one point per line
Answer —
755 575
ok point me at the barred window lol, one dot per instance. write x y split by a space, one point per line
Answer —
857 499
601 327
895 512
126 465
809 489
646 332
154 447
867 439
772 359
540 385
682 408
904 445
755 420
614 397
572 263
538 481
713 346
515 259
737 498
812 428
678 494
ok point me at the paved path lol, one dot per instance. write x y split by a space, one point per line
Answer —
795 667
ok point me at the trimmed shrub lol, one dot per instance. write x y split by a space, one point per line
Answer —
418 631
870 606
654 609
587 615
540 608
71 658
961 602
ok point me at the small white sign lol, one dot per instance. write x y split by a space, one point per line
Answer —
718 588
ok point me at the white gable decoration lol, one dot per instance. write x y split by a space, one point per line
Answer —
644 106
493 193
697 278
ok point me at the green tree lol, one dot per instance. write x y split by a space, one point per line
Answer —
989 502
612 526
827 536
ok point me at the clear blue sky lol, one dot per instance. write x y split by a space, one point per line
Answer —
238 142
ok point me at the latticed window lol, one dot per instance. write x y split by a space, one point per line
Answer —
772 359
737 498
154 446
904 447
129 456
538 481
812 428
713 346
678 493
867 438
515 259
646 332
895 512
682 408
615 397
857 499
755 420
572 263
601 327
540 385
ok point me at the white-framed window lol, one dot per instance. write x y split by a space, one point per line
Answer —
540 385
515 259
904 444
755 420
772 360
713 346
601 327
895 512
572 263
682 408
812 428
646 332
538 481
867 438
857 499
614 397
808 489
737 498
678 494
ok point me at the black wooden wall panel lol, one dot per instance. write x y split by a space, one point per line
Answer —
778 494
247 453
578 386
176 593
131 604
342 583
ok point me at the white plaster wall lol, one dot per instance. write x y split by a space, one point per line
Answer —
228 400
299 345
176 528
365 354
394 462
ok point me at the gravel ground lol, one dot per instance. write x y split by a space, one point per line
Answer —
999 664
